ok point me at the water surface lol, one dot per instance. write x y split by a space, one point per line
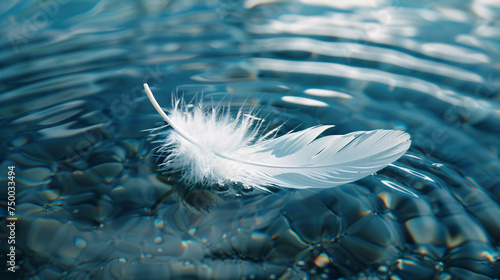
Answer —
73 115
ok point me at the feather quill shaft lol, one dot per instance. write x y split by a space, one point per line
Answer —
160 111
209 147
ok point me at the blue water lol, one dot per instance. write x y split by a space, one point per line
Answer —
89 200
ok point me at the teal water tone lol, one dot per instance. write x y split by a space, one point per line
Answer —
91 204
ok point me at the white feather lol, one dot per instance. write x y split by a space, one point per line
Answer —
209 146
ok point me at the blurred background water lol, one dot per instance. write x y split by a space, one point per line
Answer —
91 204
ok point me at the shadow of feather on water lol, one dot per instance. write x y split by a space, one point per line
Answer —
202 198
196 197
